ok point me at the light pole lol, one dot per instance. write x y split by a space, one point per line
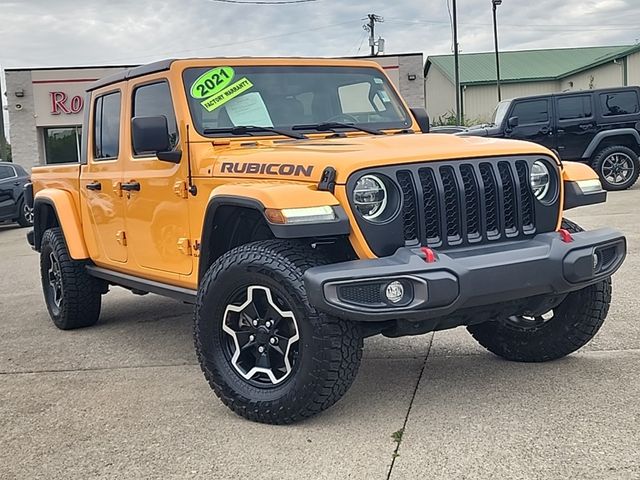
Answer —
456 62
495 4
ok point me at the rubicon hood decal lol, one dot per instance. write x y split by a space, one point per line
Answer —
284 169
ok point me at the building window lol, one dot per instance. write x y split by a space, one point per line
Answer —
106 127
62 145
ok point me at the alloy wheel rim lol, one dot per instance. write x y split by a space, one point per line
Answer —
27 213
262 336
617 168
55 280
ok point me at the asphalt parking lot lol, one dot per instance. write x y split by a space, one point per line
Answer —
126 398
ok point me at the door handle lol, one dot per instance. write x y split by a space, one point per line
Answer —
130 186
586 126
544 130
94 186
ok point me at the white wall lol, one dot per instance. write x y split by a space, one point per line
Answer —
604 76
440 93
633 69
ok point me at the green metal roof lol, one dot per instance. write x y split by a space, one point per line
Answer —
527 65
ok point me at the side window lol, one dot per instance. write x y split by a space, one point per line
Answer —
155 100
574 107
6 172
619 103
531 112
106 126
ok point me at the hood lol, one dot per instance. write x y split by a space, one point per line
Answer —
305 160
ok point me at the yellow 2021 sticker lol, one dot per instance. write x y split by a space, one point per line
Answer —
229 93
211 82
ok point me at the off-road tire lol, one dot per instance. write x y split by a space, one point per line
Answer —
330 349
599 159
81 294
22 220
575 322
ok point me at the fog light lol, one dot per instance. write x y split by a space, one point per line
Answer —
596 261
394 292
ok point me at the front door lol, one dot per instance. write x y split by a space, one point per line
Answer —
534 122
576 125
8 186
156 202
103 205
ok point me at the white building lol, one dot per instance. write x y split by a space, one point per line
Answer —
522 73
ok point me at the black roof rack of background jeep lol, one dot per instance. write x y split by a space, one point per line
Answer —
154 67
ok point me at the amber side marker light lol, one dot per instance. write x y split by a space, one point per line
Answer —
292 216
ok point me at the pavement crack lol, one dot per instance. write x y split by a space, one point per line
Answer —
97 369
397 436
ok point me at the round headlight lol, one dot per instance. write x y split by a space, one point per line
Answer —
540 179
370 196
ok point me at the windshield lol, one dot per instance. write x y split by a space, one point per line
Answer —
500 112
283 97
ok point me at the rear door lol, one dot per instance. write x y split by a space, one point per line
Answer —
576 124
101 179
9 183
534 121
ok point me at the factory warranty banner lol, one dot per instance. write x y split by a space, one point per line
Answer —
216 88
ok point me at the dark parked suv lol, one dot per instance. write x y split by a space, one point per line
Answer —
12 203
599 127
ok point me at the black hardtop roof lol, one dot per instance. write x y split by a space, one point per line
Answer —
154 67
575 92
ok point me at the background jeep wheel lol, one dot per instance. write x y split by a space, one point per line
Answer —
618 167
72 296
557 333
26 215
268 354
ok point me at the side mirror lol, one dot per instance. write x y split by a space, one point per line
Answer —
513 122
150 135
420 114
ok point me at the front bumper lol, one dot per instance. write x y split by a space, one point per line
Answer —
460 279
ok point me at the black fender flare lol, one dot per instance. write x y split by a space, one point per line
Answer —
595 142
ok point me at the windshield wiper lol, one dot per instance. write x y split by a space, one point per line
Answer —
244 129
329 126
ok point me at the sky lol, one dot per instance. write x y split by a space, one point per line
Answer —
37 33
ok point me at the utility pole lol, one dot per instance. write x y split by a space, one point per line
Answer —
371 28
3 140
456 61
495 4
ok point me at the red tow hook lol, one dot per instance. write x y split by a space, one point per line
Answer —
429 255
565 235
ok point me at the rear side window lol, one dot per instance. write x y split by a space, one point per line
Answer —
155 100
6 172
574 107
619 103
106 126
531 112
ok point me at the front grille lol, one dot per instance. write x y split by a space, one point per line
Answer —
364 294
465 203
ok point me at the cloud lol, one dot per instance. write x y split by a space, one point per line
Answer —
95 32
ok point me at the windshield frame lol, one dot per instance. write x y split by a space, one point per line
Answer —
404 122
501 108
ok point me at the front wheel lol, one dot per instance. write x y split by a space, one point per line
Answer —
554 334
266 352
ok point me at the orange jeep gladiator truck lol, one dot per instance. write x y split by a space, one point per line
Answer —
301 206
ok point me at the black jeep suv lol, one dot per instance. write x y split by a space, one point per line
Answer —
12 202
599 127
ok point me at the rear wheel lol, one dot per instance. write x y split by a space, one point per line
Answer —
72 296
26 215
554 334
617 166
266 352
